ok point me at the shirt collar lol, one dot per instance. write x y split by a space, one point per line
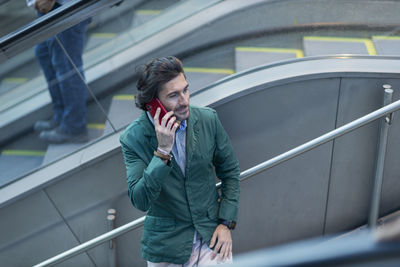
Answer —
183 126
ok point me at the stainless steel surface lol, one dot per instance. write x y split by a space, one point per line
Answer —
380 160
112 252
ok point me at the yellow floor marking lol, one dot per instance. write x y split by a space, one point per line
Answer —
124 97
98 126
35 153
148 12
368 43
105 35
378 37
370 47
298 52
209 70
15 80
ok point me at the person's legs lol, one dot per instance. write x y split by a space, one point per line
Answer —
72 88
204 257
43 56
200 256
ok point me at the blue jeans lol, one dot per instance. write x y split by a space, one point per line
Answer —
67 90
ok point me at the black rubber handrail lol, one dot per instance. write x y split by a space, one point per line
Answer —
42 21
53 23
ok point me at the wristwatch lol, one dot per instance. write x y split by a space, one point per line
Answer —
230 224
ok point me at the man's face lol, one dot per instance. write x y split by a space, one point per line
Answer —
174 95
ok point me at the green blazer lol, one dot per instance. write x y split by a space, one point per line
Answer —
176 205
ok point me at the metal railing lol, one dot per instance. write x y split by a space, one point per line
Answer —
351 126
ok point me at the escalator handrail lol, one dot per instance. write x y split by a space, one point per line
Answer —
40 22
349 127
44 23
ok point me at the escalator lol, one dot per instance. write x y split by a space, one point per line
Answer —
22 87
280 105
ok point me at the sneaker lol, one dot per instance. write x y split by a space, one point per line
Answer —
57 136
45 125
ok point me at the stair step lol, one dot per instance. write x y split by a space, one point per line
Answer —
249 57
387 45
121 113
199 78
14 163
317 45
98 38
142 16
104 30
9 83
56 151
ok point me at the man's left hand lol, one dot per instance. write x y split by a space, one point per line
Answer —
222 235
44 6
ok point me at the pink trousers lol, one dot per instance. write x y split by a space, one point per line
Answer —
201 256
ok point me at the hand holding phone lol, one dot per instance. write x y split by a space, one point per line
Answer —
165 133
152 108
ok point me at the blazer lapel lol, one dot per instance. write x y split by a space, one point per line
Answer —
192 133
148 130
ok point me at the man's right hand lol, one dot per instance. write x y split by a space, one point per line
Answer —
44 6
165 132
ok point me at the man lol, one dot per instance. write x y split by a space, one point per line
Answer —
170 171
67 89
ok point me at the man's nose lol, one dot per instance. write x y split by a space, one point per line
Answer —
184 99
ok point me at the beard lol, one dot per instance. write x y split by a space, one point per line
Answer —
181 113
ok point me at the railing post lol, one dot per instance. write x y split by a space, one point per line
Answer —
112 252
380 160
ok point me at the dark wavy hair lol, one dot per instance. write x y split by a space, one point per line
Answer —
153 76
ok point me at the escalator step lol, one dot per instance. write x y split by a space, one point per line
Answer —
148 12
387 45
55 151
23 153
199 78
144 15
11 82
98 38
121 113
249 57
96 126
26 160
316 45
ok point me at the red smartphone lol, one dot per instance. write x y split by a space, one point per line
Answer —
152 108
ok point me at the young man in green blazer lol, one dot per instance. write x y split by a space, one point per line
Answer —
171 164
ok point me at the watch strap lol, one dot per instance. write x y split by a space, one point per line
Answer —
230 224
162 156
